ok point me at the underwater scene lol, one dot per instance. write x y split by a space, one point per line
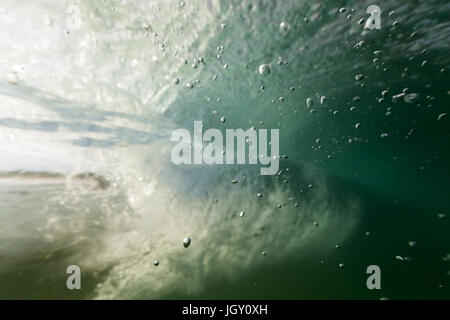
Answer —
224 149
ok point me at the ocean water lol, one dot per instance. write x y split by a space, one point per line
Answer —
88 103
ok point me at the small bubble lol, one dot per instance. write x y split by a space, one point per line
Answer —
13 78
241 214
264 69
323 99
411 98
222 119
412 244
259 195
309 102
176 81
156 263
341 265
284 26
397 97
186 242
360 44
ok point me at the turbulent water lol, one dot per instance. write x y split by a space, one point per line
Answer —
88 104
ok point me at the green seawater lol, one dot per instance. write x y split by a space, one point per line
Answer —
365 173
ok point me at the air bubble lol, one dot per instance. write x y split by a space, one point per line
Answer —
264 69
284 26
412 244
186 242
323 99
